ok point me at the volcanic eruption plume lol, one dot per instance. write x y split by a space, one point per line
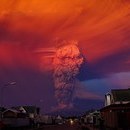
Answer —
67 62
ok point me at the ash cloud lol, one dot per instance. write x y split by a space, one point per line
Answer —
67 62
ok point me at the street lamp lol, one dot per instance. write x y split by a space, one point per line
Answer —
2 91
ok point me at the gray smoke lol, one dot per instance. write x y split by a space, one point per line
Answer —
67 62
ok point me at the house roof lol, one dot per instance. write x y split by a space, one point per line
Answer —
121 94
28 109
11 110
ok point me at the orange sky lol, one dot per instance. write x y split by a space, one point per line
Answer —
101 27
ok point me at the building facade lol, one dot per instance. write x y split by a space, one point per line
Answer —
116 113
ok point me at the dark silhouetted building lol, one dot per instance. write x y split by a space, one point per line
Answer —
116 113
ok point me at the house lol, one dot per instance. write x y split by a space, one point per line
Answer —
116 116
12 113
116 113
92 118
14 118
58 119
31 111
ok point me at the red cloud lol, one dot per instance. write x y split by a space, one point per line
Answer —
102 28
12 56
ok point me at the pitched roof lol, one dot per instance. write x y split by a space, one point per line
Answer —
28 109
12 110
121 94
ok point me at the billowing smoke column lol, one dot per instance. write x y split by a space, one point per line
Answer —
67 62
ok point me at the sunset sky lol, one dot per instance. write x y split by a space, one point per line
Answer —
31 30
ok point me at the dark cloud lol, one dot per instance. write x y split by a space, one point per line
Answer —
114 63
117 62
